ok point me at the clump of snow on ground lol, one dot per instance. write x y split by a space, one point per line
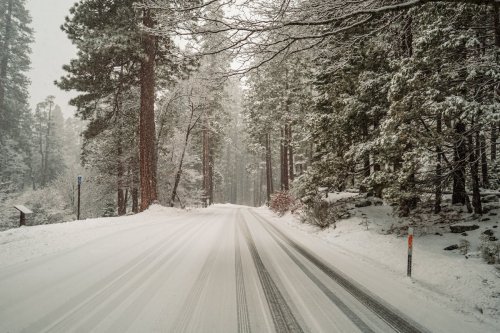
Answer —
466 284
24 243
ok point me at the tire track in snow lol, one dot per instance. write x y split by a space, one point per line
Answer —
17 268
241 299
81 270
134 309
283 318
363 327
391 316
102 289
182 322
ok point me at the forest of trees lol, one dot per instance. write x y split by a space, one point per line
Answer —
401 104
194 102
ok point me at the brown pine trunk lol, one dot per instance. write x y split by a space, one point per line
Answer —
493 142
210 178
134 182
474 170
484 162
206 164
122 207
495 125
439 172
147 135
4 62
269 169
285 184
121 201
135 200
366 157
291 173
179 173
459 162
282 181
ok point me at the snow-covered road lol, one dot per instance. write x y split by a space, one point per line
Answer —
223 269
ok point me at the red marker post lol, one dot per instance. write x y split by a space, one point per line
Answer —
410 250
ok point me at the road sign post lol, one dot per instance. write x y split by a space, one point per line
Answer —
410 250
80 179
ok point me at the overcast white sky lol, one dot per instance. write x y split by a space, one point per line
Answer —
51 51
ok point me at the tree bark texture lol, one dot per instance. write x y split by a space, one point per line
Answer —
269 168
484 162
121 200
439 172
474 171
285 184
147 135
493 142
291 164
459 162
207 164
178 174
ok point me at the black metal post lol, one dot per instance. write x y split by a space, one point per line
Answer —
78 212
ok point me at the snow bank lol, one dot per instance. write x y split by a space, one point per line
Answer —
24 243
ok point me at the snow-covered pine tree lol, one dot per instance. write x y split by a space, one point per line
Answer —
15 39
118 56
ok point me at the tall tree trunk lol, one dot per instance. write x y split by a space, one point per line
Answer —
269 168
261 185
291 164
282 173
134 182
178 174
474 171
45 169
122 206
40 148
439 172
135 200
484 162
366 157
4 63
495 125
493 142
147 134
459 162
204 165
285 184
210 177
121 201
496 26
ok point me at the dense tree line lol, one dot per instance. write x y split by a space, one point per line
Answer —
405 106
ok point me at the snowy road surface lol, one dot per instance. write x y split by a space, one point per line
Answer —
223 269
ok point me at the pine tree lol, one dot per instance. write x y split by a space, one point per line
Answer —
118 54
15 39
